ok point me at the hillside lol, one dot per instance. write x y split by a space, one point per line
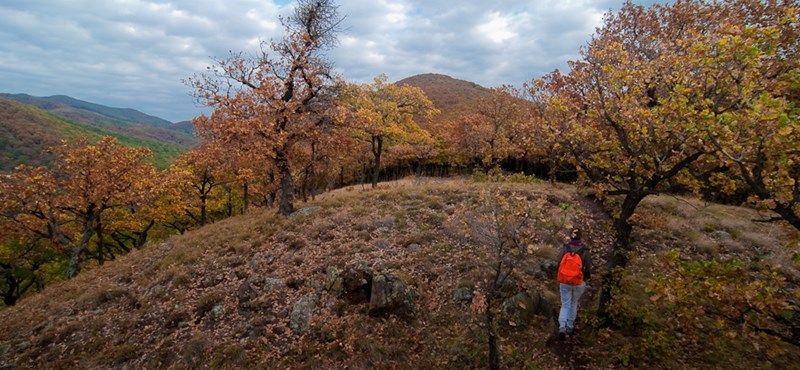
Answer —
67 106
26 132
453 97
387 278
121 120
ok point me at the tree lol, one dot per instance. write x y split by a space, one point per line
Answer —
275 100
752 79
491 134
638 129
25 245
73 204
500 224
197 174
386 113
554 112
670 87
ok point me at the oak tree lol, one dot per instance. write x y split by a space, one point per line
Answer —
276 99
386 113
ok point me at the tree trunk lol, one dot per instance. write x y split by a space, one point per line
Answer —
76 252
100 243
246 199
619 258
313 172
377 149
788 214
286 206
229 204
203 216
10 296
494 354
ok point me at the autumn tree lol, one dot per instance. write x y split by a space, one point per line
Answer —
638 129
386 113
491 134
553 113
661 90
25 244
197 174
277 99
74 204
751 80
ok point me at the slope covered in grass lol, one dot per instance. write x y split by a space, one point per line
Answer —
26 132
262 291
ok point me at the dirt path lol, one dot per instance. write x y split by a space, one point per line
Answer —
597 228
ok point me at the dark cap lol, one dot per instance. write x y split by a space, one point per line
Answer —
575 234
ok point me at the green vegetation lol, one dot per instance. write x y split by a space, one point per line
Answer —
27 133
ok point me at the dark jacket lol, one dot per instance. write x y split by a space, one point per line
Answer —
586 257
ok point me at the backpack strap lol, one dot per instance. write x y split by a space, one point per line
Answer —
579 251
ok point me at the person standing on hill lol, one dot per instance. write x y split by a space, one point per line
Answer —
574 269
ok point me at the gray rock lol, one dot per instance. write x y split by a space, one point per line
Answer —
357 282
210 281
215 314
273 283
303 212
414 247
302 311
333 282
246 293
721 235
155 289
520 309
463 295
549 268
391 296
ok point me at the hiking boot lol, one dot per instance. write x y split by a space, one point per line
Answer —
570 331
562 334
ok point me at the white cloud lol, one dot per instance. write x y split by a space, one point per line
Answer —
497 28
134 53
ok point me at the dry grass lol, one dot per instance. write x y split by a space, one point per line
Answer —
222 295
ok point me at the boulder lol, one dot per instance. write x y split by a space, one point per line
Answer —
274 283
549 268
463 295
245 293
357 282
303 212
521 309
334 282
302 311
210 281
390 295
721 235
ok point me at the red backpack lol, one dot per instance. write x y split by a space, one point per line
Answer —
569 271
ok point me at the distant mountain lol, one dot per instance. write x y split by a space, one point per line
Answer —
124 121
27 131
183 126
84 111
453 97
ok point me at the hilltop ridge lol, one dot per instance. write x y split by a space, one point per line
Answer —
360 278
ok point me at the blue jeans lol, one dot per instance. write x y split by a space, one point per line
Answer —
570 294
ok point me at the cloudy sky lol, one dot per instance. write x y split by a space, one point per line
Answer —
135 53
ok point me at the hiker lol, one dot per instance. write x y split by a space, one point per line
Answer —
574 269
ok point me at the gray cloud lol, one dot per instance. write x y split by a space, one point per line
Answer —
134 53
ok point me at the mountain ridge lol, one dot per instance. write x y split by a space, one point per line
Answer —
26 132
61 102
